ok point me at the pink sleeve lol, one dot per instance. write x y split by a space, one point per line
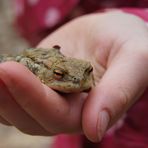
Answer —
35 19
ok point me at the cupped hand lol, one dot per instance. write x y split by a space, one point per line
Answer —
116 43
117 46
34 108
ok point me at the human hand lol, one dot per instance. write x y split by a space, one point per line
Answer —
118 43
34 108
115 42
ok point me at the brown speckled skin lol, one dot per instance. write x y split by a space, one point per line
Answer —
60 73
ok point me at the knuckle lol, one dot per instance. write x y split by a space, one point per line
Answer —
124 98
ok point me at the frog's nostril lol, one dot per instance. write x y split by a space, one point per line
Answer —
76 80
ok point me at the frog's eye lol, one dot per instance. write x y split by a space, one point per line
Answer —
58 74
90 69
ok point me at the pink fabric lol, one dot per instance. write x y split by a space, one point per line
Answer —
37 18
143 13
67 141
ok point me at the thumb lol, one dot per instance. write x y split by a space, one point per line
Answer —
122 83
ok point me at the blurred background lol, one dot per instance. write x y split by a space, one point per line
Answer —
10 42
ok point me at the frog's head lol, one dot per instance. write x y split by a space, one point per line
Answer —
71 75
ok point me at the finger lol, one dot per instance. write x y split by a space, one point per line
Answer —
12 114
123 81
47 107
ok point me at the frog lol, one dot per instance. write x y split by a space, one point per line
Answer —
54 69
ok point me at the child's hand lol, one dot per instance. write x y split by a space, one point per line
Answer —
119 43
116 42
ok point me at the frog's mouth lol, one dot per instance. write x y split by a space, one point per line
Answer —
69 90
70 87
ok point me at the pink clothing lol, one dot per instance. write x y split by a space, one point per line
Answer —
37 18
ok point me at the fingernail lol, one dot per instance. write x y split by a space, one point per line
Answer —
102 124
